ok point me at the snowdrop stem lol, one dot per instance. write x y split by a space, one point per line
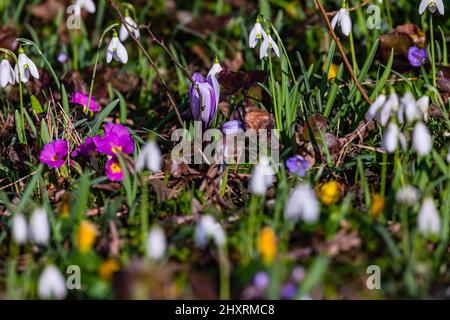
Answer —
144 211
342 52
224 266
274 97
352 49
274 30
383 173
94 73
433 62
22 135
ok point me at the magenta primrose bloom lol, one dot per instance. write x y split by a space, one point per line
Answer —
82 99
114 171
210 90
116 138
54 153
416 56
86 149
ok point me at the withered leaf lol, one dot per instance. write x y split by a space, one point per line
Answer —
444 79
257 119
8 38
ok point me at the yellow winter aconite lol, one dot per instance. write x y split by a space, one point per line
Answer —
329 193
267 245
377 206
108 268
85 237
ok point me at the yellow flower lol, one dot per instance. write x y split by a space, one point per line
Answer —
86 236
377 205
332 72
329 193
108 268
267 245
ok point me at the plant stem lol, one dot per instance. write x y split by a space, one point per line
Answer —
433 62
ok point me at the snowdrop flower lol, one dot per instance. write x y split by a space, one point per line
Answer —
262 177
428 219
216 68
149 157
26 68
156 243
431 5
257 33
421 139
267 45
88 5
391 137
6 73
422 104
116 50
302 204
132 25
375 107
52 284
342 18
390 105
39 226
207 228
407 195
408 108
19 228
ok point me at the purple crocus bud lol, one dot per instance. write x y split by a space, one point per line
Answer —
416 56
116 138
86 149
232 127
210 91
53 154
297 165
113 169
62 57
288 291
83 99
261 280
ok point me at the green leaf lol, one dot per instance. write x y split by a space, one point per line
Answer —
36 105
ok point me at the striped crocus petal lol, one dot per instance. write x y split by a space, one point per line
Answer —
210 92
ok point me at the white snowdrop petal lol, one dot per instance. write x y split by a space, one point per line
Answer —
346 23
390 139
423 6
421 139
440 6
156 243
39 227
121 53
19 228
428 220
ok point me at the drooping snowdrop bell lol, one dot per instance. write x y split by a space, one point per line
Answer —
116 50
432 5
342 18
156 243
428 220
208 228
39 227
303 205
149 157
132 26
52 284
25 67
19 228
216 68
262 177
257 33
421 139
267 46
88 5
6 73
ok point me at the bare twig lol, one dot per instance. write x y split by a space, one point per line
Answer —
342 52
115 6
